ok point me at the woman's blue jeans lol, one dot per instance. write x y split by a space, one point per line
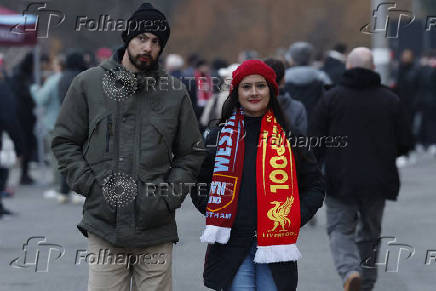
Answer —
252 276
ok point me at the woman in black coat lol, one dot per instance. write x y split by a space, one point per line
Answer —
234 261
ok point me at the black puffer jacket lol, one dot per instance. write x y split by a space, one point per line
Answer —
222 261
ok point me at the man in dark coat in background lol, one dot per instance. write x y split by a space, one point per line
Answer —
9 124
74 64
334 64
304 82
294 110
361 173
406 88
22 79
407 83
426 102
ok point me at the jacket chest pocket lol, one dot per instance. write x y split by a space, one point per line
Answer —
99 145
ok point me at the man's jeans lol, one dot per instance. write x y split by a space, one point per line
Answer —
252 276
354 229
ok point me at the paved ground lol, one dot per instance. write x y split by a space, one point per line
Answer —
411 220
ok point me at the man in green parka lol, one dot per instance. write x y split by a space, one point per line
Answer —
127 139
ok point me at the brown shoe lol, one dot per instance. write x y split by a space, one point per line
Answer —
353 282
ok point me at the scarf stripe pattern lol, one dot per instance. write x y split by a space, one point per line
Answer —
278 205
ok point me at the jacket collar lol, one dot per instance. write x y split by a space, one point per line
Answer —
361 78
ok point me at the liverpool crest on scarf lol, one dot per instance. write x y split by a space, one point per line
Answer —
278 204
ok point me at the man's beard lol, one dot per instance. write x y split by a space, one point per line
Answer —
150 64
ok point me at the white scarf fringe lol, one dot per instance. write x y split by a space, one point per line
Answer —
277 253
213 234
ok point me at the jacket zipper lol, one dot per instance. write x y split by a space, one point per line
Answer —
137 137
108 132
117 137
90 136
162 138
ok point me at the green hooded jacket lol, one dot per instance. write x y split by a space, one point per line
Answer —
151 137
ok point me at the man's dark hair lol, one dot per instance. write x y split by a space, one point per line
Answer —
74 61
193 59
219 63
201 62
278 67
340 48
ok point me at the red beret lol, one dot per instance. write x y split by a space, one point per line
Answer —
254 67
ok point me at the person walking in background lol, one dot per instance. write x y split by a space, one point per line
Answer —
406 88
426 103
334 63
102 54
212 112
294 110
47 98
9 124
22 79
203 85
253 219
217 64
190 82
74 64
174 64
362 173
192 61
119 133
200 87
302 81
407 83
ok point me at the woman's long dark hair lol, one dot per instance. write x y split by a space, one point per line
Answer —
232 103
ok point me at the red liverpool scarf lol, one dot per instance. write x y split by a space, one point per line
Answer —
278 203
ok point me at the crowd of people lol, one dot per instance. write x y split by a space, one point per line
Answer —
306 80
238 107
